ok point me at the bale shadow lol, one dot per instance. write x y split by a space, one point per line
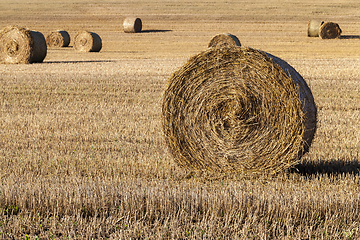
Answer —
80 61
155 31
350 37
328 167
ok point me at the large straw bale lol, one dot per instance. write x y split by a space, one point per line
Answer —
20 45
329 30
132 25
59 38
234 109
313 28
85 41
224 39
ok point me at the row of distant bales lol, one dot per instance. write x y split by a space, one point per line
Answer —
20 45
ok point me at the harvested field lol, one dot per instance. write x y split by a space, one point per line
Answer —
81 149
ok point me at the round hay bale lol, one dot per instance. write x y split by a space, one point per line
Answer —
329 30
224 39
132 25
59 38
85 41
313 28
20 45
234 109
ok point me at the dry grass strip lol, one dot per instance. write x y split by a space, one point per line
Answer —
85 41
21 45
132 25
59 38
224 39
233 109
329 30
313 28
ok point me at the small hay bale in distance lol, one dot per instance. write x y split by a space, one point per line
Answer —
329 30
85 41
21 45
59 38
313 28
234 109
224 39
132 25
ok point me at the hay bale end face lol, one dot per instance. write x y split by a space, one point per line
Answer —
59 38
329 30
225 39
234 109
20 45
313 28
132 25
85 41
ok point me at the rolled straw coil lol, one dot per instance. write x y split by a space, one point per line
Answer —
224 39
21 45
85 41
132 25
329 30
234 109
313 28
59 38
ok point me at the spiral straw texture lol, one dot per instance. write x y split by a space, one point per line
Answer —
59 38
233 109
85 41
220 40
20 45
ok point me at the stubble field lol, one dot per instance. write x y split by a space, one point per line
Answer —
81 149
